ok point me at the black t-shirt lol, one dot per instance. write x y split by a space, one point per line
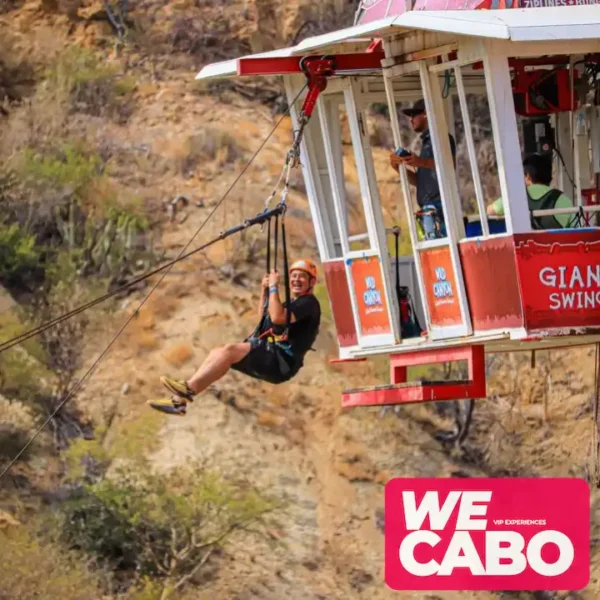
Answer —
303 333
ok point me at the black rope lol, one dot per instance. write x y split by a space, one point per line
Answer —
275 249
43 327
248 223
288 317
256 220
265 310
268 247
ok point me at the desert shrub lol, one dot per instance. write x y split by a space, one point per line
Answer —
17 78
67 166
165 526
32 566
19 255
206 145
91 87
15 428
64 214
207 35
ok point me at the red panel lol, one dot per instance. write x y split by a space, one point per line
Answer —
288 65
559 275
339 296
492 285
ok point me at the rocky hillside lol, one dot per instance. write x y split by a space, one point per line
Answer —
100 133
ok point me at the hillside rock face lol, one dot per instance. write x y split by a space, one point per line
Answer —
330 465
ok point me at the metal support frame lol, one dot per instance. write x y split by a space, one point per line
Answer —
402 392
506 140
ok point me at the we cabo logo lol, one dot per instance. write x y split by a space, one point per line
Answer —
487 534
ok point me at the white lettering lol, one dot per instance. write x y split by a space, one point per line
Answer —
593 275
576 276
467 510
406 553
494 553
430 506
506 552
534 553
548 280
554 301
568 300
462 553
562 284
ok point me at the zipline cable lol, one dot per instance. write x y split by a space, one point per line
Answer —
259 219
8 344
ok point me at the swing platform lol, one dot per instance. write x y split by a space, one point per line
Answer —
401 391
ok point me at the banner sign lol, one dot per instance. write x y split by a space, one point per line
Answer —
559 276
370 296
440 286
487 534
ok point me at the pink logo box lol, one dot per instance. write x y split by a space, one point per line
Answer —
487 534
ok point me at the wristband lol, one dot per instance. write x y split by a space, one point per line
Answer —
273 290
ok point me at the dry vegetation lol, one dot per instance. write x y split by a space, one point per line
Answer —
111 159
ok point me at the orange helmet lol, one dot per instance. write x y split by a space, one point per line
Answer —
306 265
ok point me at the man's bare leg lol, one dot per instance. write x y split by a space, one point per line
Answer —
217 363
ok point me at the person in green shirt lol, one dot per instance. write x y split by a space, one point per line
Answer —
540 196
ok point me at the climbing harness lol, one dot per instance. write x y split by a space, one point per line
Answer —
261 218
429 223
272 334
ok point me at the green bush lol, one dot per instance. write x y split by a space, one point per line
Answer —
34 567
68 167
163 526
19 255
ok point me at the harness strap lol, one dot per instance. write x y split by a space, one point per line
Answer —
288 317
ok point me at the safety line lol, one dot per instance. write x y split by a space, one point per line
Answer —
6 345
97 361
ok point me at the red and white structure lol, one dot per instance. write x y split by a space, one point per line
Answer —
518 289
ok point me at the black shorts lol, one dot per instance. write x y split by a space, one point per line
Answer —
267 361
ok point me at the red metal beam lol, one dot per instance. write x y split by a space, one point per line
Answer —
413 393
403 392
290 65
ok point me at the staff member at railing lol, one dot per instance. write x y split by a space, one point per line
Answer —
540 196
424 178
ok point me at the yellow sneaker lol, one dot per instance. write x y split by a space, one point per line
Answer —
181 388
170 406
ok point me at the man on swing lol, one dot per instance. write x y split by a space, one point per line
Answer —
275 351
